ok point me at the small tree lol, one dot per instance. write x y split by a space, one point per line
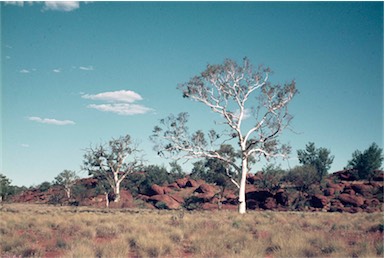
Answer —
228 89
67 179
176 169
110 162
43 187
271 177
318 157
302 177
5 186
366 162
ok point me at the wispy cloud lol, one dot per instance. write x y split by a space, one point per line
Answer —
127 96
24 145
246 114
24 71
64 6
121 102
50 121
122 108
18 3
86 68
58 70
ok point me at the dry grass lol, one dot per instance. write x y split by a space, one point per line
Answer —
37 230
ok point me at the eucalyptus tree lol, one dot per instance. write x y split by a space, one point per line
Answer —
67 179
253 110
366 162
113 162
320 158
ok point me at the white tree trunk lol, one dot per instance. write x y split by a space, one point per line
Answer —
242 187
107 200
117 191
68 192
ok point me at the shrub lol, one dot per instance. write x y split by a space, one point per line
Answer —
366 162
43 187
302 177
161 206
192 203
271 177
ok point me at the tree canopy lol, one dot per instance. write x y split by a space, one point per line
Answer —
111 162
366 162
320 158
236 93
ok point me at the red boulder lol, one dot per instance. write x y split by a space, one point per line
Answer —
353 200
170 203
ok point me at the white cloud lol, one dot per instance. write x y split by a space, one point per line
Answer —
120 102
122 108
86 68
126 96
18 3
246 113
56 70
65 6
24 145
24 71
51 121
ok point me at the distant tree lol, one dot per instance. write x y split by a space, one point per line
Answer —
228 89
214 170
302 177
5 187
43 187
111 162
155 174
271 177
176 169
67 179
366 162
320 158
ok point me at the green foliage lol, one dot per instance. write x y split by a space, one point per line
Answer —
66 178
302 177
366 162
6 189
153 174
318 157
192 203
176 169
161 206
79 191
43 187
271 177
214 170
5 183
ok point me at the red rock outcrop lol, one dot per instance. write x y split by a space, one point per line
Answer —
348 199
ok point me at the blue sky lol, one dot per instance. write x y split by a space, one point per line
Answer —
76 74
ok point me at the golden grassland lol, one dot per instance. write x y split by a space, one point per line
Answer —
49 231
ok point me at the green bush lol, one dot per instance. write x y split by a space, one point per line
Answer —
193 203
365 163
43 187
302 177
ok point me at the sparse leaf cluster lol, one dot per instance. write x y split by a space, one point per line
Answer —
111 162
236 93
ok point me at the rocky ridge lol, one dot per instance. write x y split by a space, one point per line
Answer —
338 193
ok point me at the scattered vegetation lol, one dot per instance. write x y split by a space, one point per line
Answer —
38 230
365 163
